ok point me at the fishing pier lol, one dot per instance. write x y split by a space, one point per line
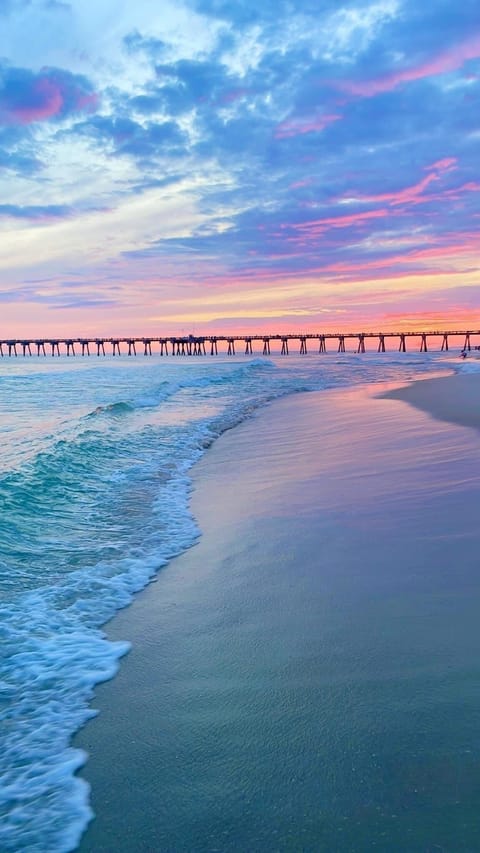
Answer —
268 344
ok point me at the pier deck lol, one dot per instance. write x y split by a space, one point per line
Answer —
268 344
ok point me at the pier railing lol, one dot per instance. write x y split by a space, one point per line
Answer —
268 344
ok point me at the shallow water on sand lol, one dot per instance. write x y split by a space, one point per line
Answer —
307 677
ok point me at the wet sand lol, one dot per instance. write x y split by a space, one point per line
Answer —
307 678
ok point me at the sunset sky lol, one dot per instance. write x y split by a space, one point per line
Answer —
213 166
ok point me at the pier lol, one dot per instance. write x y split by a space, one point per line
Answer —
230 345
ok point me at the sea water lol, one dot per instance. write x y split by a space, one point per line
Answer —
94 485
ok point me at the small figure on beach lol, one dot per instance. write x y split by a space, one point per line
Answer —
463 353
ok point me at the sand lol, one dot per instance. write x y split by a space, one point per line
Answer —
452 398
306 677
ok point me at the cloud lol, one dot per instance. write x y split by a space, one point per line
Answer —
129 137
296 126
27 97
134 42
442 63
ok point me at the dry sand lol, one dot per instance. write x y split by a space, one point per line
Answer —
450 398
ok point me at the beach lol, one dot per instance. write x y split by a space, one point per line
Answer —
451 398
305 678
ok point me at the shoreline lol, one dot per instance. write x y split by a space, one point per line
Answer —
279 647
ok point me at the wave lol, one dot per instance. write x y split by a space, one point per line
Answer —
119 408
168 389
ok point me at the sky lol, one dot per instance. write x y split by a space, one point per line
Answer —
171 167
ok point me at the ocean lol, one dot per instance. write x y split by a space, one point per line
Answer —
95 486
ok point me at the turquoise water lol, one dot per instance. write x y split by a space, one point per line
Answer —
94 487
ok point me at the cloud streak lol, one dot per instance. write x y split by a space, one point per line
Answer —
444 62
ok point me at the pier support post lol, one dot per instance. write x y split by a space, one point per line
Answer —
12 347
445 343
100 346
231 346
147 344
26 348
266 346
163 347
115 347
1 349
284 350
381 343
131 347
423 344
199 346
213 346
402 347
40 347
248 346
70 347
322 344
341 343
55 348
303 345
361 343
467 344
85 347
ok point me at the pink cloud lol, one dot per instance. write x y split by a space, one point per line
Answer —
318 226
26 98
401 196
46 100
445 165
444 62
299 184
414 194
298 126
